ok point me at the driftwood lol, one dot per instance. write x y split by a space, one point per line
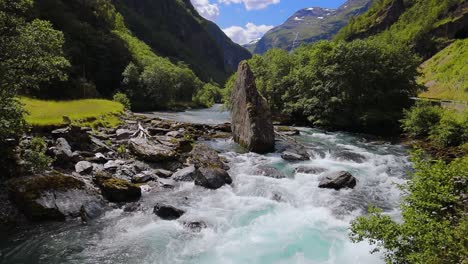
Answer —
141 132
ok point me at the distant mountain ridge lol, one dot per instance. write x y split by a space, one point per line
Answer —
309 25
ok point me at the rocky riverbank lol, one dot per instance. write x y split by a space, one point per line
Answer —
94 170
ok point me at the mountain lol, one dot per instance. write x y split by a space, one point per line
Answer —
251 45
174 29
310 25
103 37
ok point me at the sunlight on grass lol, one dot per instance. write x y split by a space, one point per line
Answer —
87 112
445 74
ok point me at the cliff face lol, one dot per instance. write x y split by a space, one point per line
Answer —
309 25
174 29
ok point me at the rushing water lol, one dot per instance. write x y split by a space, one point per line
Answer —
256 220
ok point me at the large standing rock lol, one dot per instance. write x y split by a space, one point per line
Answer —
51 197
338 180
251 124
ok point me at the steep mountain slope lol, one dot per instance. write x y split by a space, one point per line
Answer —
310 25
427 25
445 74
102 37
174 29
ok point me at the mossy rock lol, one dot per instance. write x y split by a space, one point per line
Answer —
37 196
117 190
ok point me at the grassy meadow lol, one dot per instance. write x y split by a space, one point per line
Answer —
86 112
446 74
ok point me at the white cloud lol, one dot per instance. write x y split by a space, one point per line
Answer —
206 9
251 4
244 35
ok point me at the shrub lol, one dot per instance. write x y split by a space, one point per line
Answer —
33 157
208 95
435 222
449 132
123 99
419 120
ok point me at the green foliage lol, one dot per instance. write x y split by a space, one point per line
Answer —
30 56
359 85
418 18
445 74
121 149
435 222
444 127
208 95
33 156
420 119
450 131
123 99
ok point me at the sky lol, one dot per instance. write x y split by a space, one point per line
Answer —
246 20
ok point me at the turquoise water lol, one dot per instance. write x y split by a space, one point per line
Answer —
256 220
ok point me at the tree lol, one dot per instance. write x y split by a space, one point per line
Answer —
30 55
435 222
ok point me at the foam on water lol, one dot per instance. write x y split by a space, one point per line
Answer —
256 220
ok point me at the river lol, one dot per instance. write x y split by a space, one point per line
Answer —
256 220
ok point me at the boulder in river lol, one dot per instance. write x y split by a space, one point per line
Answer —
167 212
263 170
346 155
51 197
117 190
309 170
185 174
210 167
252 125
338 180
212 178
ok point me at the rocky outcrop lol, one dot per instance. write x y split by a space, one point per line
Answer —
84 167
149 151
51 197
338 180
252 125
117 190
167 212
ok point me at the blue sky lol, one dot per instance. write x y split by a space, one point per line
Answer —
246 20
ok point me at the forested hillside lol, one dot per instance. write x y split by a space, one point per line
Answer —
427 25
104 43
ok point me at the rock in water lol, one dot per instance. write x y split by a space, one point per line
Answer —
167 212
251 124
338 180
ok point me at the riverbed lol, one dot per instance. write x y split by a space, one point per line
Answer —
258 219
